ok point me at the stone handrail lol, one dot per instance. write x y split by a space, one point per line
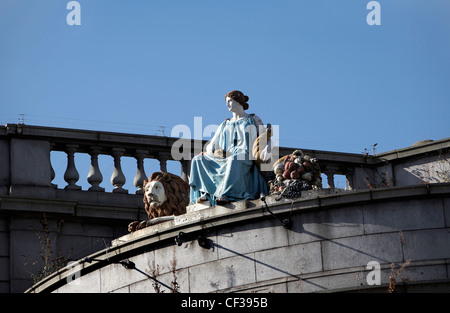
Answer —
25 155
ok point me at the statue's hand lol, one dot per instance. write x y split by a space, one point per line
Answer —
220 153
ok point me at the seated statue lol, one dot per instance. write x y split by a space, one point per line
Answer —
228 169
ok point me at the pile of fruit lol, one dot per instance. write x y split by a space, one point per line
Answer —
294 173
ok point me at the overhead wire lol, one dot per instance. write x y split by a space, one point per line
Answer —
92 124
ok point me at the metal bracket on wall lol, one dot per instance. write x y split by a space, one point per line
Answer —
202 240
287 223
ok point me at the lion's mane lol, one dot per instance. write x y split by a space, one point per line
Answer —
177 193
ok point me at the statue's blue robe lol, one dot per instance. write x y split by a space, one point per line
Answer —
236 176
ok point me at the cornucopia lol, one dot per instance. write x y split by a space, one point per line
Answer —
294 173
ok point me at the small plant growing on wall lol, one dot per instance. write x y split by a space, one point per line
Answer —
154 271
394 276
173 266
47 263
443 167
435 172
369 152
380 180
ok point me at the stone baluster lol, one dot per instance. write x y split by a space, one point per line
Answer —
162 158
185 169
118 178
330 179
52 171
95 177
349 177
71 175
140 173
329 172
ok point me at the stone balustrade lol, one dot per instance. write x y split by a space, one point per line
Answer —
25 152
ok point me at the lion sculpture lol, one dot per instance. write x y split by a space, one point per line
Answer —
165 194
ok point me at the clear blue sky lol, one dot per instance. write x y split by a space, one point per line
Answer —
315 68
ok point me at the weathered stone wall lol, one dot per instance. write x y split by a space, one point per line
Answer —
333 238
75 229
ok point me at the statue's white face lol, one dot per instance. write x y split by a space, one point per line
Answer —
233 105
155 193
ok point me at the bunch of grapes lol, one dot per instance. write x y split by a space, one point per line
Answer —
294 190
